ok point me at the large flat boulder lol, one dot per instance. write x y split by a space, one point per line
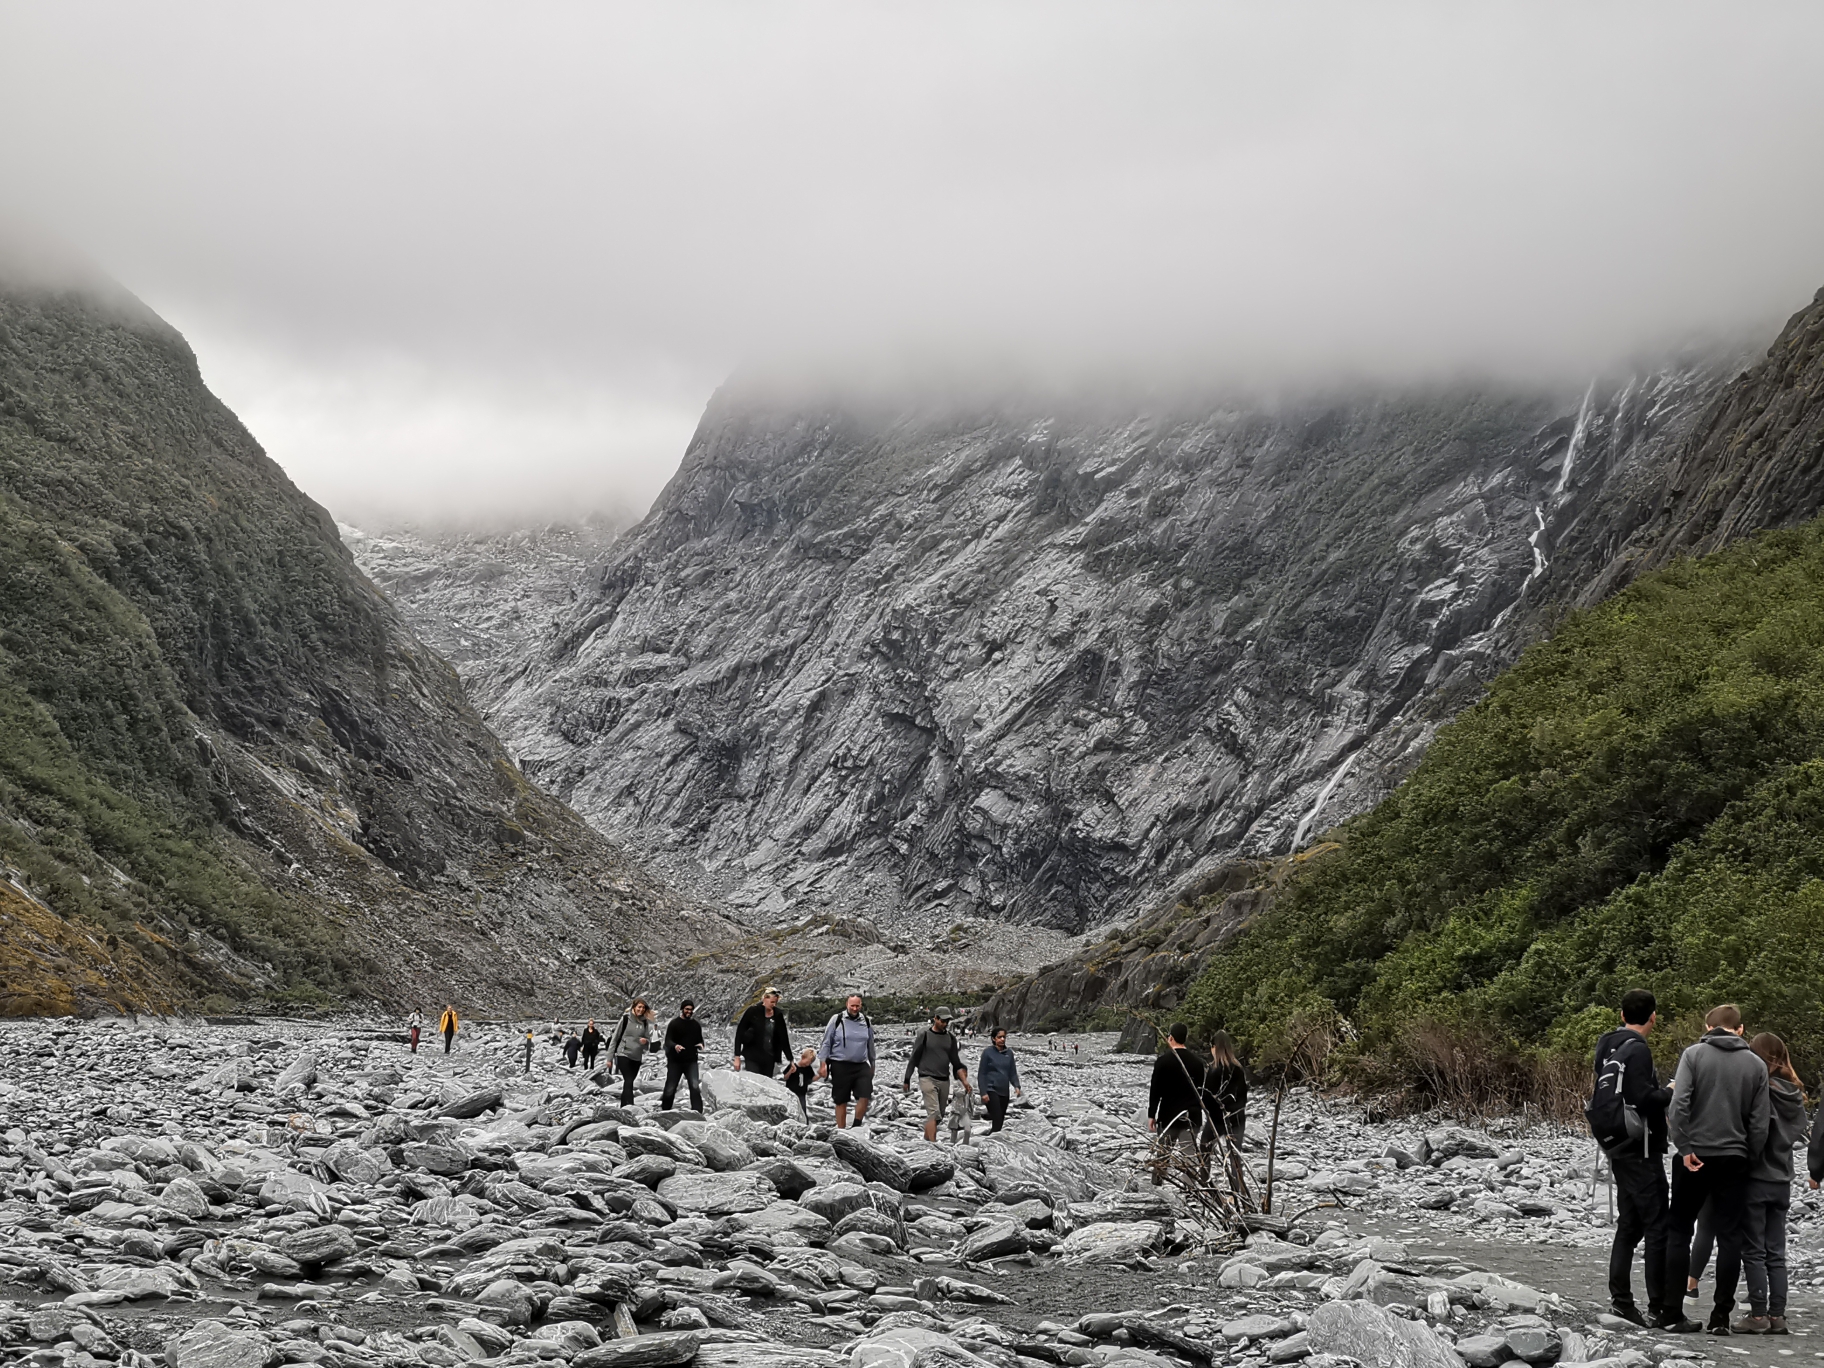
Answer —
717 1194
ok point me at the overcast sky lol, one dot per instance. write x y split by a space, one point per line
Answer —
490 261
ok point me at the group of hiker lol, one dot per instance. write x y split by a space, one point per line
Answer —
763 1042
1731 1117
1195 1107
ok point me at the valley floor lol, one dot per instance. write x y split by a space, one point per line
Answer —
297 1193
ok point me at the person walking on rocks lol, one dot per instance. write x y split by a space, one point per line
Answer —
1770 1193
417 1028
1627 1081
573 1046
846 1056
936 1060
1225 1106
798 1077
528 1049
632 1038
448 1024
592 1044
998 1076
1718 1123
1174 1104
763 1039
683 1050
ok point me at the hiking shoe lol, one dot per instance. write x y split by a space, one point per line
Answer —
1750 1324
1630 1314
1678 1325
1717 1327
1776 1325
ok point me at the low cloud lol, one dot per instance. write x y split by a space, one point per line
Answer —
478 259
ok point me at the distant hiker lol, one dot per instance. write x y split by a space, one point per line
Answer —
417 1027
632 1038
1174 1104
592 1044
447 1024
573 1046
683 1050
528 1049
847 1057
1225 1105
763 1040
798 1075
935 1060
1627 1115
1770 1193
995 1076
1718 1123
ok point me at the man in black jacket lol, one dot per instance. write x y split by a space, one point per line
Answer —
1639 1168
683 1050
763 1039
1174 1104
592 1043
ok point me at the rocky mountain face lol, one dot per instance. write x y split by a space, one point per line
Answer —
1750 460
1046 666
227 767
483 598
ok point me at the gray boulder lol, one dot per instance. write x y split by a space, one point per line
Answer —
474 1104
212 1344
643 1351
1371 1334
717 1194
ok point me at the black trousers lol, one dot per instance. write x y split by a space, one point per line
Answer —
997 1109
1723 1182
448 1036
628 1069
1641 1217
676 1069
766 1068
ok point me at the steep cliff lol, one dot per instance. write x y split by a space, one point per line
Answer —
1045 666
226 765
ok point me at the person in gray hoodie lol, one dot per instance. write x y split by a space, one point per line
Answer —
1770 1193
1718 1124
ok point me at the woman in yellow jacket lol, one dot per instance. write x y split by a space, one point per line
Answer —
447 1023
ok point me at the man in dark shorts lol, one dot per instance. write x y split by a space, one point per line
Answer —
847 1058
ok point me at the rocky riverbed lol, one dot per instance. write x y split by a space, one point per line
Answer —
243 1196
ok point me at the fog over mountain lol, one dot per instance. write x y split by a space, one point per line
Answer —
451 262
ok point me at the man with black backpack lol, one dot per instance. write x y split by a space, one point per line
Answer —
1627 1115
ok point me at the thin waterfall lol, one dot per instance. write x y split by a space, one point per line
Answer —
1570 455
1304 823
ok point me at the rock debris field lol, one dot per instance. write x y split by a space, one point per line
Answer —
248 1196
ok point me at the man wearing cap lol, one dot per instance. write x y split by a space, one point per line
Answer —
936 1060
762 1039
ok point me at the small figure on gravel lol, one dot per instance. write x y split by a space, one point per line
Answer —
1225 1105
798 1076
683 1051
847 1057
592 1044
573 1046
528 1068
935 1060
1174 1103
417 1028
1770 1193
632 1038
448 1025
763 1039
998 1076
1626 1081
1718 1123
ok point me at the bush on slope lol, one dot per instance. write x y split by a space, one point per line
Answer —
1640 801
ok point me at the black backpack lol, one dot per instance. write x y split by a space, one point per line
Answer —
1612 1121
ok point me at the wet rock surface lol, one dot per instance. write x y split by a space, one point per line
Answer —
317 1204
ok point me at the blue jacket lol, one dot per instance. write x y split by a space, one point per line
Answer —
998 1073
848 1040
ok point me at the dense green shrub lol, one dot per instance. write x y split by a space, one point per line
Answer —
1639 801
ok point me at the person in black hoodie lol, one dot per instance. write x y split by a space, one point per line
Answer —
763 1039
683 1050
1174 1104
1638 1166
592 1044
1225 1103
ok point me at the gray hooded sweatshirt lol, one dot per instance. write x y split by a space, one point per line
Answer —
1786 1129
1720 1104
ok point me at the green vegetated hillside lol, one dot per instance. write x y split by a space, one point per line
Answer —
1638 802
228 771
